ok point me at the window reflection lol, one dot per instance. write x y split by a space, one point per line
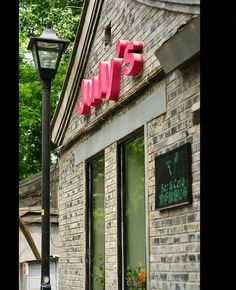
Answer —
98 233
135 215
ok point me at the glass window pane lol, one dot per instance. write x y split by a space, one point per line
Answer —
135 214
98 232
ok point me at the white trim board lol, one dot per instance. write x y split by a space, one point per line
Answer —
121 125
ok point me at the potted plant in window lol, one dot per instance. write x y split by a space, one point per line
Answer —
136 278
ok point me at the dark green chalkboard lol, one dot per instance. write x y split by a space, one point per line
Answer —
173 177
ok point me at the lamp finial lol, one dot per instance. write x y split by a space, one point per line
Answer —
49 25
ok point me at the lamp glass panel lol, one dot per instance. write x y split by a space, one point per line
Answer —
34 53
49 54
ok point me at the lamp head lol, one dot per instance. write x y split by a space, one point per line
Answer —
47 50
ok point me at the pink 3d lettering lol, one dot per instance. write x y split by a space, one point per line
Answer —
84 105
114 73
106 85
103 78
120 47
95 98
133 59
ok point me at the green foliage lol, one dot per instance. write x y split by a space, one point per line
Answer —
33 17
99 275
135 279
132 277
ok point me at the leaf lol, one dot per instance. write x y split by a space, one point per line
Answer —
33 17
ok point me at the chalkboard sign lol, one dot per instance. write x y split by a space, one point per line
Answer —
173 178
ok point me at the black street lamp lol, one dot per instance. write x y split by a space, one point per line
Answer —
47 50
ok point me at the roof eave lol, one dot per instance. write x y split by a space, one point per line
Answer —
84 35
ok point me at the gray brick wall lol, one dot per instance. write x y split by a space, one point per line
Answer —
131 21
30 189
71 224
111 218
174 234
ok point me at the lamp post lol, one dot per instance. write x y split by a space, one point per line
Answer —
47 50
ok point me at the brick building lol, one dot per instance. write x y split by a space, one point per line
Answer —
129 162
